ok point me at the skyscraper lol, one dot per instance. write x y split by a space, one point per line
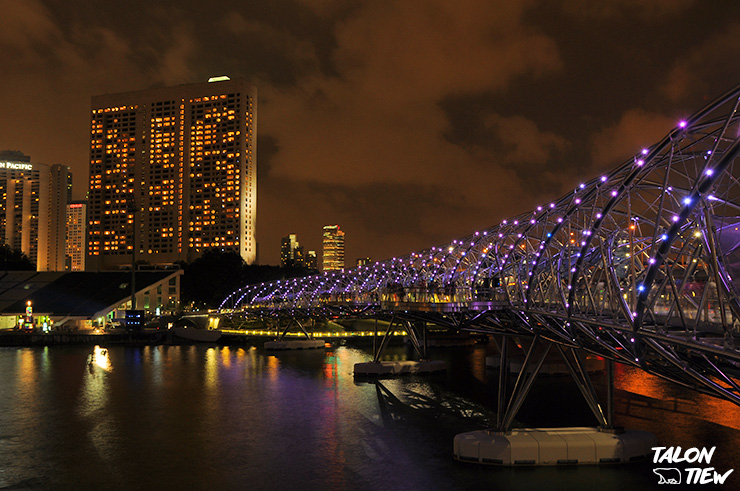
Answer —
291 252
76 235
333 259
173 173
33 198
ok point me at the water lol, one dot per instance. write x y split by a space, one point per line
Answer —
199 417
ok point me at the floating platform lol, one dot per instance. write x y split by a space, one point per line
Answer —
550 367
553 446
395 368
295 344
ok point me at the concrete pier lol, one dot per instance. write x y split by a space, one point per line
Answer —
395 368
553 446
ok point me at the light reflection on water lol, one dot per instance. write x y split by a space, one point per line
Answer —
208 417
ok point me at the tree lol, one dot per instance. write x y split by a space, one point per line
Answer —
211 277
15 259
208 280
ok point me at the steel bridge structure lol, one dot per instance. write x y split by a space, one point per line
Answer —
640 265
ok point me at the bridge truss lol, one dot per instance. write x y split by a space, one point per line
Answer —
640 265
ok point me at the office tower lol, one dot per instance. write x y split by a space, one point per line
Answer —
312 261
333 248
76 236
291 252
60 196
173 173
31 196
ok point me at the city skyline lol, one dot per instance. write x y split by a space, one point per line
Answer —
409 124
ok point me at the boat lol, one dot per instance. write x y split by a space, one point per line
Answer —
190 333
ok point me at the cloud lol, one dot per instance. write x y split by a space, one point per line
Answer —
635 130
521 143
27 26
609 9
379 118
715 56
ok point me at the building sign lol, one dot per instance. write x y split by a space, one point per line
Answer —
15 165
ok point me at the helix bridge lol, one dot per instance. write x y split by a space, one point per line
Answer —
640 265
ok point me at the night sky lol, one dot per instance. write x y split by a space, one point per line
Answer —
408 123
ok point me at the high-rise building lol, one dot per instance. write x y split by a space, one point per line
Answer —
60 196
364 261
76 236
312 261
291 252
33 198
173 173
333 259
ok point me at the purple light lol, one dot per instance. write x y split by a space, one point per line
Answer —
552 205
675 218
603 178
578 201
682 124
644 151
582 186
640 163
614 193
709 172
598 215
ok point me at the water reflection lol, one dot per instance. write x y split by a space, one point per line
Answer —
99 358
196 417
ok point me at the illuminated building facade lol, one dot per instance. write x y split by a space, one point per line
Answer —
291 252
312 261
172 174
76 236
31 197
364 261
333 259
